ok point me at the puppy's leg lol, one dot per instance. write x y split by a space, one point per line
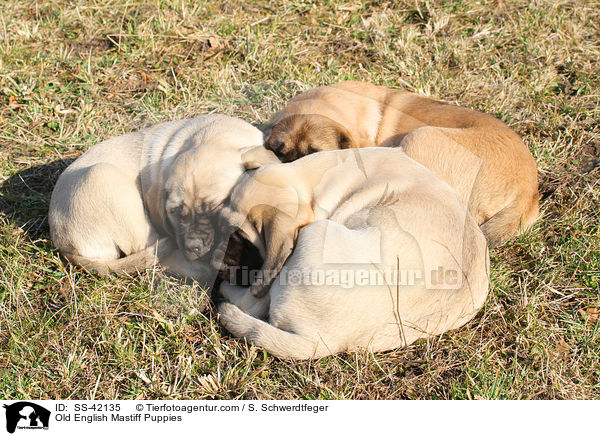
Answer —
129 264
243 298
176 263
513 219
491 170
281 343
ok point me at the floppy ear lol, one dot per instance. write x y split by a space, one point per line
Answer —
257 156
155 201
266 128
344 138
279 231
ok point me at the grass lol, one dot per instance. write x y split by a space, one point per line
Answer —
75 72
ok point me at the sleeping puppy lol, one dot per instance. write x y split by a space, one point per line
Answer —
135 198
478 155
363 248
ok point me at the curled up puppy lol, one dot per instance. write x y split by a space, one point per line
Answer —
478 155
417 261
146 196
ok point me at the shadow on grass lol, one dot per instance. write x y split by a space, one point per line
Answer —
25 197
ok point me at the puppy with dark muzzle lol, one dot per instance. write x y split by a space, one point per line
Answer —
478 155
297 135
147 196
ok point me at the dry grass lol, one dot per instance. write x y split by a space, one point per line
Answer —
73 73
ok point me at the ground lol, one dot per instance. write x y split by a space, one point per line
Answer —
75 72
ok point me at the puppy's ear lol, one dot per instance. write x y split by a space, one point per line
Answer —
266 129
257 156
344 137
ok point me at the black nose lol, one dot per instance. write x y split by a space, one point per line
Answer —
197 248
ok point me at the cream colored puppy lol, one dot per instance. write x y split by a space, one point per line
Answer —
148 194
335 228
478 155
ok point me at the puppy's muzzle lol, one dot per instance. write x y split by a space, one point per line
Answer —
197 248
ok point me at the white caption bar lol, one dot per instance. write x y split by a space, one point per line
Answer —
257 417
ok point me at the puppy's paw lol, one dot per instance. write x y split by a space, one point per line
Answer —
256 157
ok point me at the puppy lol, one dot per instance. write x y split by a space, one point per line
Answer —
483 159
124 203
366 213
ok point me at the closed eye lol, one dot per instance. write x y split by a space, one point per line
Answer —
173 211
209 208
185 216
276 145
181 213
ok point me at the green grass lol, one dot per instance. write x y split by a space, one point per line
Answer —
75 72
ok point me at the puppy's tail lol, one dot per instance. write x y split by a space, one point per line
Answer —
513 219
282 344
131 264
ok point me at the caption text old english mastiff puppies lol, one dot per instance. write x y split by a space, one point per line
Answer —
362 248
478 155
149 194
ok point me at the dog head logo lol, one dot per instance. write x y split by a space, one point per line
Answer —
24 414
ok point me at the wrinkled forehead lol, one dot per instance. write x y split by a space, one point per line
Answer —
207 161
205 174
209 155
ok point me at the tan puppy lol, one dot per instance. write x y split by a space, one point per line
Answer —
126 200
477 154
343 223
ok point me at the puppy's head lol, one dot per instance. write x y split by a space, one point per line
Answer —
298 135
198 183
